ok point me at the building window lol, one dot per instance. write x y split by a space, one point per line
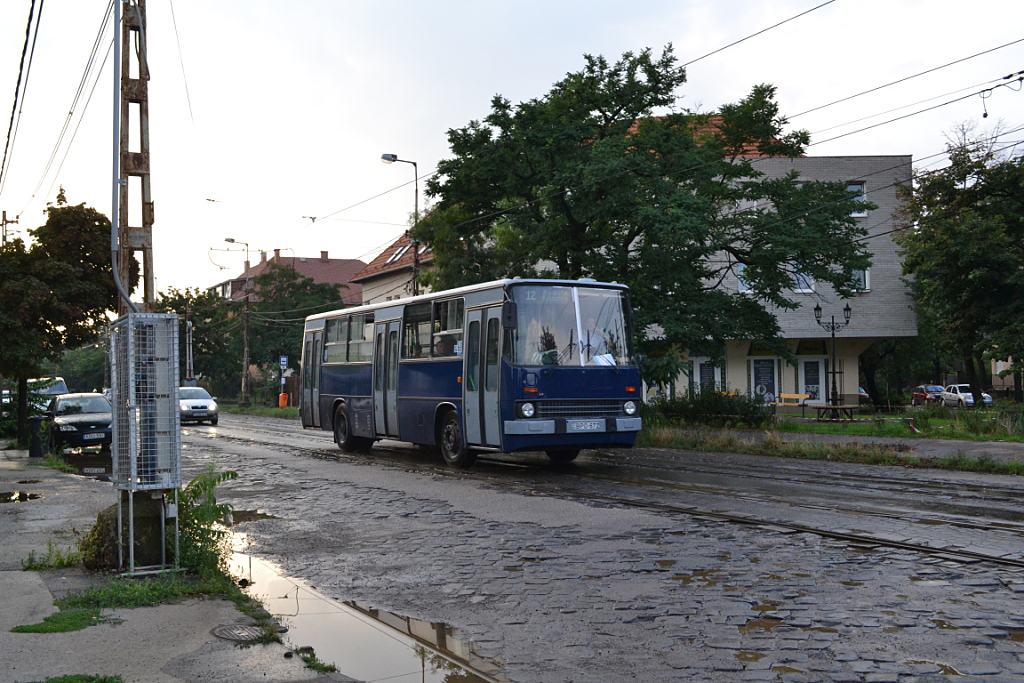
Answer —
858 191
861 282
742 284
802 282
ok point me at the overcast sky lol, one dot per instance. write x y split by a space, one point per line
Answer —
289 106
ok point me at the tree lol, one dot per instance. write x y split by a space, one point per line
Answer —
283 300
216 336
56 294
586 182
962 232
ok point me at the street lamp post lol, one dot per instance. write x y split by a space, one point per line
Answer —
833 327
245 352
390 159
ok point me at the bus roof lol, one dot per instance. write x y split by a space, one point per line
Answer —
493 284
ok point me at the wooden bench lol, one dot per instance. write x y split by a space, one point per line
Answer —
842 412
793 400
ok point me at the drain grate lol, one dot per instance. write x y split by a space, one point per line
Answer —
238 633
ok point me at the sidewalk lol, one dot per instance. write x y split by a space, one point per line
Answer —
163 644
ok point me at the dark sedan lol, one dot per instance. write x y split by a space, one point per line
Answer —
80 420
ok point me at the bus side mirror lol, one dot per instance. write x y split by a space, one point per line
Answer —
509 315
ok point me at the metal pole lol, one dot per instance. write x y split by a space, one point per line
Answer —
835 390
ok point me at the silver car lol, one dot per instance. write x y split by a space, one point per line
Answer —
960 396
197 405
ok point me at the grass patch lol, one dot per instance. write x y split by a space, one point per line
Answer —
55 558
54 461
707 440
289 413
313 662
63 621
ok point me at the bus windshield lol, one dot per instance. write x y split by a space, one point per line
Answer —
566 325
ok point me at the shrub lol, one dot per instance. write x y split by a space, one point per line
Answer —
712 409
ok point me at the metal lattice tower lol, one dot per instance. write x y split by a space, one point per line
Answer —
135 100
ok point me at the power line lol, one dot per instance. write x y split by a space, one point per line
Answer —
17 87
906 78
752 35
89 65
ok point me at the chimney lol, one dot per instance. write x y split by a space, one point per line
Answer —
277 254
247 266
323 257
263 257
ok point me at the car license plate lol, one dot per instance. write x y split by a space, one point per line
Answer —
93 470
584 425
97 435
198 413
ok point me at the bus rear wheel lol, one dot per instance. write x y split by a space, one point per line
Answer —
563 455
342 434
453 446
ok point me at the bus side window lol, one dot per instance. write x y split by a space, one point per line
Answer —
336 339
360 338
416 331
448 321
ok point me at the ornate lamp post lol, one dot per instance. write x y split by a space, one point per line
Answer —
833 327
390 159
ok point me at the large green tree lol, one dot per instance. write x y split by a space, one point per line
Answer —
216 336
587 182
283 299
963 240
56 294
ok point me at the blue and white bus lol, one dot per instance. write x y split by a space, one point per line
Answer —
504 366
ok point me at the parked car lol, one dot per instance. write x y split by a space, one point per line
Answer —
865 397
39 393
926 393
80 420
960 395
197 405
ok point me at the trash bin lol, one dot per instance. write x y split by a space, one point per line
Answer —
282 400
39 436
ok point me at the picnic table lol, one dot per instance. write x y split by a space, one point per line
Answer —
842 411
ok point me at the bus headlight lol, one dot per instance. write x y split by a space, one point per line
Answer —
629 407
527 409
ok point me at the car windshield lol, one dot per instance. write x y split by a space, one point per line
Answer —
193 392
933 387
82 404
964 388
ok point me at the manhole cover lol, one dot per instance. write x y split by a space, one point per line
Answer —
237 633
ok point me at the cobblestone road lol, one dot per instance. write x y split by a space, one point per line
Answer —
562 590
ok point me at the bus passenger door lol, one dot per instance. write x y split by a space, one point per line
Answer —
491 369
313 355
385 379
471 381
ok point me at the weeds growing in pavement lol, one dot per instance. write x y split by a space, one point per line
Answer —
54 461
313 662
205 543
63 621
55 558
81 678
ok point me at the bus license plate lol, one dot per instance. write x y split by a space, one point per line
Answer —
584 425
97 435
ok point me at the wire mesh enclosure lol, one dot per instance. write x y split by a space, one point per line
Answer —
146 445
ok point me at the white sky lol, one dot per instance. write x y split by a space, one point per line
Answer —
292 104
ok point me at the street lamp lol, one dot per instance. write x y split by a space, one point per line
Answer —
390 159
245 352
833 327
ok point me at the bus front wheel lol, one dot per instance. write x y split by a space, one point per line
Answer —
563 455
342 434
453 446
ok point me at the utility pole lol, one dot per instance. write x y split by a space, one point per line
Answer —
135 164
245 353
190 379
4 226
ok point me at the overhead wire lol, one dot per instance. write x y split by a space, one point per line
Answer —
906 78
89 68
18 91
753 35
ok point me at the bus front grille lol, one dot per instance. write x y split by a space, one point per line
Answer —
571 409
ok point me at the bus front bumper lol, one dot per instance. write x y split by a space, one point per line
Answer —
598 425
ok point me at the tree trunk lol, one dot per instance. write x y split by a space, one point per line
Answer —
1018 389
23 412
973 377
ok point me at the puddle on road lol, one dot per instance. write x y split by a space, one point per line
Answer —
703 576
363 642
754 625
17 496
943 625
